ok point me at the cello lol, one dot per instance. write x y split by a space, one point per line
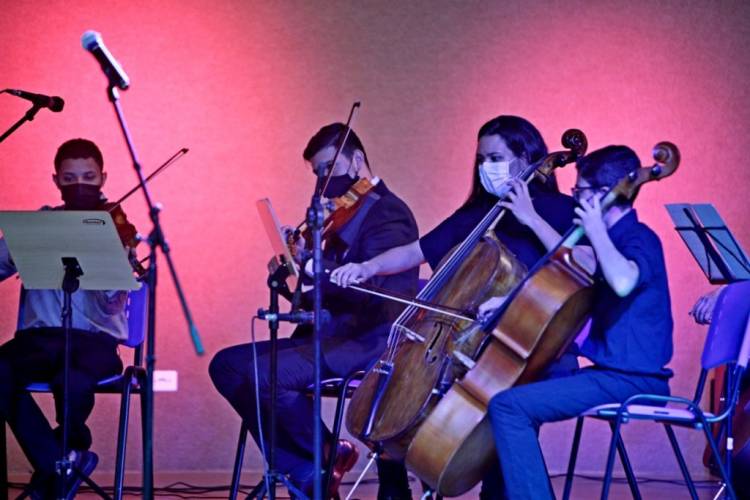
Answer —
453 447
406 382
447 441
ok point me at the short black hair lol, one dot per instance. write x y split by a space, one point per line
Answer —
332 135
78 148
607 166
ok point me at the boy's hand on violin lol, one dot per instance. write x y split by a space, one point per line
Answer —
352 273
519 202
589 216
489 306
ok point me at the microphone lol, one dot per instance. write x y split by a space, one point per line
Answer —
92 41
305 317
54 103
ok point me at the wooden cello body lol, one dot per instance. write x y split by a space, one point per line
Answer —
454 446
428 353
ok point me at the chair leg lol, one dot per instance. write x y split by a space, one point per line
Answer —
681 461
336 431
611 458
719 461
122 437
238 459
3 463
142 381
632 482
573 458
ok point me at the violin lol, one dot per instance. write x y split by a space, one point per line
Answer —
339 211
128 234
125 230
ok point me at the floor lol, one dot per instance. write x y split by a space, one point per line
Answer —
215 485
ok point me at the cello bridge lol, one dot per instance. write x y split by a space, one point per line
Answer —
410 334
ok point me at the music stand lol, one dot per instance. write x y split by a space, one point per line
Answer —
277 237
277 284
67 250
722 260
709 240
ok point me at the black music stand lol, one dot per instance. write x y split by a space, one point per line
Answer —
277 285
709 240
67 250
722 260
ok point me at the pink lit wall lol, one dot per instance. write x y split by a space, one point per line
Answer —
244 85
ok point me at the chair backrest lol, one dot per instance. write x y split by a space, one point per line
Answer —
136 311
728 339
21 307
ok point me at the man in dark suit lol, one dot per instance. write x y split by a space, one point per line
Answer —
358 328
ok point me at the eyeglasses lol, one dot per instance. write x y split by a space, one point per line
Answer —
577 190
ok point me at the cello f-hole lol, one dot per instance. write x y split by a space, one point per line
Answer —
429 356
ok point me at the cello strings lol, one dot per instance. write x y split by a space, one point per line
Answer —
448 268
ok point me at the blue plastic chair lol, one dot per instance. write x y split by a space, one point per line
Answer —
131 381
727 344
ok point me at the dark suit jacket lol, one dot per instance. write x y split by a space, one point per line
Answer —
359 324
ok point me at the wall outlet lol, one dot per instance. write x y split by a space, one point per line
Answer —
165 380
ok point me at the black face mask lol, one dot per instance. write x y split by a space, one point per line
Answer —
338 185
81 196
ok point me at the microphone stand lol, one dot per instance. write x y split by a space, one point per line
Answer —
315 220
27 117
70 284
276 283
156 240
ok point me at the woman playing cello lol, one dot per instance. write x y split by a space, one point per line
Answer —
537 214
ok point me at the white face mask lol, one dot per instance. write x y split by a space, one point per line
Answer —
494 174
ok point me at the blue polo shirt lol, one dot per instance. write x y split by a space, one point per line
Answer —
555 208
633 334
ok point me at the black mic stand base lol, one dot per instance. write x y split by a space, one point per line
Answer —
261 490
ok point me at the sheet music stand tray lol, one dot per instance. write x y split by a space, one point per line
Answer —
38 240
711 242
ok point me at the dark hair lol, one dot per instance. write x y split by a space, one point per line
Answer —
78 148
605 167
523 139
332 135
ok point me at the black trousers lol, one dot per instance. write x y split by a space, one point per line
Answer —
36 355
233 373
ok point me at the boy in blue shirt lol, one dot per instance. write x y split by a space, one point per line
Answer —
631 333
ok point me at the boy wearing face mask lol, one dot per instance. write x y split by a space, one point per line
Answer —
356 333
35 354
